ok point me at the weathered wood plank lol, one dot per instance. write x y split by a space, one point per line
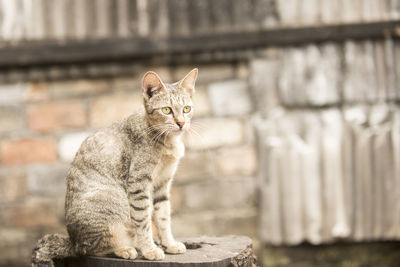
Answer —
351 10
330 10
310 12
395 9
199 20
292 195
350 115
264 13
322 75
270 183
242 15
265 89
360 79
37 20
123 18
103 18
362 175
396 162
271 219
159 20
292 78
390 66
380 71
312 183
288 11
113 17
91 18
81 29
332 174
59 19
221 15
178 17
202 251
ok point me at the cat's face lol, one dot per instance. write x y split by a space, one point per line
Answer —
169 107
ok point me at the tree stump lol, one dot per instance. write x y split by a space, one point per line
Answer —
201 251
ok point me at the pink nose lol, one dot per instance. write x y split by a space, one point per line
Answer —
180 124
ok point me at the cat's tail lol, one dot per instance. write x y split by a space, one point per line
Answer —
49 247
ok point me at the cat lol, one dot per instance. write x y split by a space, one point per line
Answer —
121 177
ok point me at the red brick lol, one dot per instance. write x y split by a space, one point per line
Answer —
34 213
11 118
57 115
38 91
77 88
16 246
234 161
194 166
27 150
13 185
214 132
202 105
108 109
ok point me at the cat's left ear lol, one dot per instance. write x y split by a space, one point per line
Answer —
151 84
189 81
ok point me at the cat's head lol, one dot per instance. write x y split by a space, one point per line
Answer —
169 107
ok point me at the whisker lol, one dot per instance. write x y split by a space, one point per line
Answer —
158 136
199 124
195 132
191 130
154 137
166 135
196 127
161 135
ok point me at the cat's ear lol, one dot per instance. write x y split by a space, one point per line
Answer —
189 81
151 84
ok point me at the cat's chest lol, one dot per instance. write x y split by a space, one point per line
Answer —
168 162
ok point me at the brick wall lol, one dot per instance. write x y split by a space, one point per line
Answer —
42 125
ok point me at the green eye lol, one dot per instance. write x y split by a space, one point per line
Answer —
166 110
187 109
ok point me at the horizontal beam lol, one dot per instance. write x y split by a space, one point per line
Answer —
44 53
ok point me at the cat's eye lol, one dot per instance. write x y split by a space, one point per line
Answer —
166 110
187 109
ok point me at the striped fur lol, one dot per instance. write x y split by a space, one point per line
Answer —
120 179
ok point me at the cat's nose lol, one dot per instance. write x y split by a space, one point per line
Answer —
180 124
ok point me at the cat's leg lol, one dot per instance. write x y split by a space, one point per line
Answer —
121 244
162 217
98 222
139 194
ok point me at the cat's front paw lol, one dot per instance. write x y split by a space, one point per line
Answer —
176 248
126 253
153 254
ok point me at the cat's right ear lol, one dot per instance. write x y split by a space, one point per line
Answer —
151 84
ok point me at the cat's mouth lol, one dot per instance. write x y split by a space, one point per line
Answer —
178 131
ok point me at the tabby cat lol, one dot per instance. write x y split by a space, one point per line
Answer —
120 179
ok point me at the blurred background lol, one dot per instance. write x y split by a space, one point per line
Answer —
297 105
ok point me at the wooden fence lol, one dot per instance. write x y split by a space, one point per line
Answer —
329 131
